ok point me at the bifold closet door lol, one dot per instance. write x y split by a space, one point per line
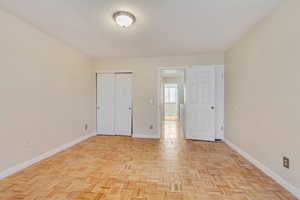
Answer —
123 104
105 103
200 103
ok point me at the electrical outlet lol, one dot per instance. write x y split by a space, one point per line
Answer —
286 162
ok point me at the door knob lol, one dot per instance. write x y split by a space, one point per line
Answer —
130 108
98 107
212 107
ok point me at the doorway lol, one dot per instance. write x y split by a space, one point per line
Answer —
195 103
172 102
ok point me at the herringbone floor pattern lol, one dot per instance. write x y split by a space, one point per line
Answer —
124 168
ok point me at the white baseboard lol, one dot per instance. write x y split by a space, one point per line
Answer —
144 136
265 169
23 165
105 134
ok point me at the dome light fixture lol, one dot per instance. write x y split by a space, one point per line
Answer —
124 18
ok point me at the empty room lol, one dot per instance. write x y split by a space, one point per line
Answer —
149 100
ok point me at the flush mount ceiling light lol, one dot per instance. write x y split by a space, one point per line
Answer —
124 18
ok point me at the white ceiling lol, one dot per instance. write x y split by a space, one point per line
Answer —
163 27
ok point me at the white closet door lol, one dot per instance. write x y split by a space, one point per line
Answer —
105 103
220 103
123 104
200 103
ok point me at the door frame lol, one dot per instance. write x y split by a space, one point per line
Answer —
159 86
132 93
159 111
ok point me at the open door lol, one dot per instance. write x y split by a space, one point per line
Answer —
200 103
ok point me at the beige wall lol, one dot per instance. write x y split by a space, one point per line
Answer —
263 91
145 83
45 90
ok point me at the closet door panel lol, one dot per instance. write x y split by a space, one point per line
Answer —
123 104
106 104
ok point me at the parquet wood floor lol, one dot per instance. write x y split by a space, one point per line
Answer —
124 168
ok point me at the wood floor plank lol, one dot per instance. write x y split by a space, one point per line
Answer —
124 168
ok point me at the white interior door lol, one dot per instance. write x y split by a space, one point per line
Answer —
105 103
123 104
200 103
